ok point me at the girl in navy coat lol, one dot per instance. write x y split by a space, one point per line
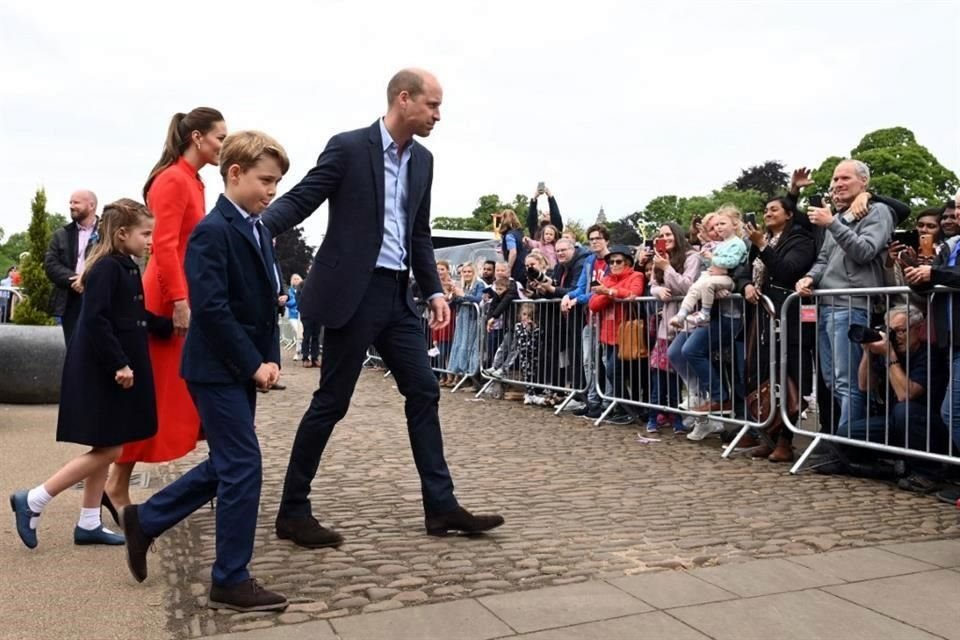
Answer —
107 394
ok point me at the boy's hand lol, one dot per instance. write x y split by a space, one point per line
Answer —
266 374
124 377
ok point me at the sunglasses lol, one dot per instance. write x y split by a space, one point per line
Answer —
617 261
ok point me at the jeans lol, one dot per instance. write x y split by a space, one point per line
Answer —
683 369
950 409
697 350
840 358
895 428
590 365
613 374
665 391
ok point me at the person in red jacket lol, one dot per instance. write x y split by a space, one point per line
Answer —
609 301
175 196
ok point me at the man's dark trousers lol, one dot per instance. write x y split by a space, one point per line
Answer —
385 320
232 473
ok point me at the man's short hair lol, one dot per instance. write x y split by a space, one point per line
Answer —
404 80
565 241
602 229
914 314
860 167
950 204
247 148
492 263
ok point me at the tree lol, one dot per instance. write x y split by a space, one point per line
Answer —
36 286
625 231
10 250
577 229
900 167
481 219
293 253
768 179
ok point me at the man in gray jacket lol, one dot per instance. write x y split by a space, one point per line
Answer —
851 257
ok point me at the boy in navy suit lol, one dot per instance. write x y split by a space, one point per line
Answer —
232 348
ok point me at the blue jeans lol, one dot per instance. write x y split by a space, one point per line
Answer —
950 409
894 429
664 390
612 374
840 359
696 350
590 365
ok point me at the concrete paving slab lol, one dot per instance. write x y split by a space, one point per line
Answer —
943 553
764 577
561 606
802 615
319 630
862 564
924 600
462 619
668 589
648 626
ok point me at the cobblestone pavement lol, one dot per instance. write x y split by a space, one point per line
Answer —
580 502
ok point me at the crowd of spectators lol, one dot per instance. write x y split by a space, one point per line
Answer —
676 332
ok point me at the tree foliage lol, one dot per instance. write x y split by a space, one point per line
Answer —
293 253
36 286
481 218
768 179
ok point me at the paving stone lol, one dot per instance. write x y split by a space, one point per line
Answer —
463 619
668 589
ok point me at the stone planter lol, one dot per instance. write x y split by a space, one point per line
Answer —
32 362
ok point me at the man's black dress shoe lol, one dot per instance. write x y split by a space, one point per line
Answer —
307 532
138 543
461 520
246 596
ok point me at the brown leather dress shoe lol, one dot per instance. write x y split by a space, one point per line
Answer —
138 543
246 596
307 532
461 520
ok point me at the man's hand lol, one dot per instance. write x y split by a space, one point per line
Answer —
820 216
918 275
547 287
751 294
181 317
567 303
76 284
282 300
805 286
266 375
860 206
124 377
439 313
880 347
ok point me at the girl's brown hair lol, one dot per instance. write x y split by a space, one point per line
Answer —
182 125
122 214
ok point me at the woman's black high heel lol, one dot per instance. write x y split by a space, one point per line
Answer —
106 502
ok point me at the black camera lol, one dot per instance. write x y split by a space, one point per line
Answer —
535 275
861 334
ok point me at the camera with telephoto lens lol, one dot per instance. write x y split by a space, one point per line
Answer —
535 275
861 334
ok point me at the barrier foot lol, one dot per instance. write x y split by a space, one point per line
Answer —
563 405
462 382
729 450
387 374
367 361
484 388
603 416
795 469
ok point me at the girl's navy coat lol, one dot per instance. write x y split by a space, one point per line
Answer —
111 334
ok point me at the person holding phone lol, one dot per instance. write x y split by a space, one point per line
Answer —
538 220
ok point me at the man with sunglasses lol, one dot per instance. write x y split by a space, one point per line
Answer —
595 269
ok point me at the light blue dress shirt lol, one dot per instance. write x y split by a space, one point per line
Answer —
253 221
393 251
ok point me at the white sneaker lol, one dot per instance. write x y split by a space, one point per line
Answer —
493 373
433 352
534 399
574 405
296 357
703 429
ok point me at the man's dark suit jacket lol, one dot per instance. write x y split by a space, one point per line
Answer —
233 300
60 263
350 174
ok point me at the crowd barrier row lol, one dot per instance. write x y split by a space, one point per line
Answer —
752 367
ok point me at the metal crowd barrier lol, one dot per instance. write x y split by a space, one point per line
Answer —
10 297
653 382
850 418
455 350
539 348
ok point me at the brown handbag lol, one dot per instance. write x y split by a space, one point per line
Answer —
632 340
758 400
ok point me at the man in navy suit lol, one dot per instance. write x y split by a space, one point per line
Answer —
378 182
232 348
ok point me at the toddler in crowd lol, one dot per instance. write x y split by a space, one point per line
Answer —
728 254
528 350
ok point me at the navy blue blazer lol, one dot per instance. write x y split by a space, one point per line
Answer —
349 173
233 300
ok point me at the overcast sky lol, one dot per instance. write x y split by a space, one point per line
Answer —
611 103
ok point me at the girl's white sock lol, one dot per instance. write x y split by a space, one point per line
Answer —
89 519
37 499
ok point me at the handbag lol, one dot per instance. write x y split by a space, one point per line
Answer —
758 401
632 340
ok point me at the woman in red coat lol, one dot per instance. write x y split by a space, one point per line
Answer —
174 194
